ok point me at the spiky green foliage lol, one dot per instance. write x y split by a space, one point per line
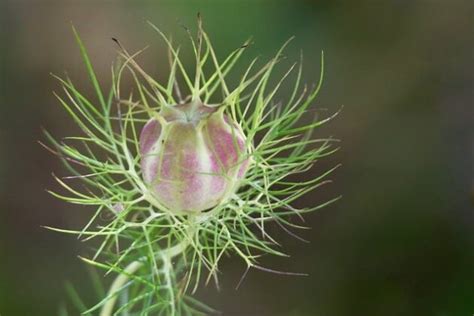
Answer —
158 257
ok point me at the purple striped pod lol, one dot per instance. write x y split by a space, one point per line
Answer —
193 156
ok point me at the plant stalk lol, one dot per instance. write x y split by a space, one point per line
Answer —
166 255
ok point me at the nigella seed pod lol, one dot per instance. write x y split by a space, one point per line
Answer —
193 156
190 157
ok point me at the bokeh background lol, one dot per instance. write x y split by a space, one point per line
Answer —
399 242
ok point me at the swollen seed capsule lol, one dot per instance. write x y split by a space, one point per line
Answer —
193 156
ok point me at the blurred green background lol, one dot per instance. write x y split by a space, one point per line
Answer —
400 242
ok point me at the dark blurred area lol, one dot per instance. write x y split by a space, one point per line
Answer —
399 242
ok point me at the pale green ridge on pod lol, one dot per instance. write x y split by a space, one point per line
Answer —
193 156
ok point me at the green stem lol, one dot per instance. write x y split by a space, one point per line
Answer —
166 255
119 282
